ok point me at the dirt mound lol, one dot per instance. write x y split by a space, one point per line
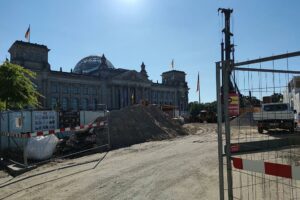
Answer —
138 123
245 119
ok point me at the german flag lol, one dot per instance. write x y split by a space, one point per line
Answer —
27 34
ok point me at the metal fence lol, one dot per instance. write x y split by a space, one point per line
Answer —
259 157
26 135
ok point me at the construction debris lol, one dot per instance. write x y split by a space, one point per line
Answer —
138 123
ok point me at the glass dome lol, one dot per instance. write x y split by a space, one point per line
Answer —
92 63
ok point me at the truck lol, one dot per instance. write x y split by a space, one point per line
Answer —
275 116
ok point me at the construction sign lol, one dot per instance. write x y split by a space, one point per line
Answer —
234 104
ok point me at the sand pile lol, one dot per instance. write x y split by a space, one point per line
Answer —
245 119
138 123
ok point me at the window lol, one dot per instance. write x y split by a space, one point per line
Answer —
172 97
65 103
92 91
94 105
276 107
153 96
85 90
84 104
74 104
65 89
54 88
161 96
53 102
75 90
167 96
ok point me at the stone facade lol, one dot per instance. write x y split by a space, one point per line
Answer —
95 81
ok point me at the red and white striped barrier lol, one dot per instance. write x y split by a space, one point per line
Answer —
273 169
55 131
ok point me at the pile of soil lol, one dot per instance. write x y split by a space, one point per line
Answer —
245 119
138 123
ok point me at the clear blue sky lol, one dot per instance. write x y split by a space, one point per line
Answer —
130 32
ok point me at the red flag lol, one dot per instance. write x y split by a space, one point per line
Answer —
198 84
27 34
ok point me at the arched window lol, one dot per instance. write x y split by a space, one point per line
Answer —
54 88
65 89
65 103
74 104
84 104
95 104
53 102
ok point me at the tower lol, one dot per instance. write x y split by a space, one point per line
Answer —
30 56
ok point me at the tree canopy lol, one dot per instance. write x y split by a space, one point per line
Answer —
195 107
16 88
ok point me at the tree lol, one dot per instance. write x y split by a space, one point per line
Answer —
16 88
277 97
195 108
247 101
2 106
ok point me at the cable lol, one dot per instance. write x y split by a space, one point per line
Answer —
57 169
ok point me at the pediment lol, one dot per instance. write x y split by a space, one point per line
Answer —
131 75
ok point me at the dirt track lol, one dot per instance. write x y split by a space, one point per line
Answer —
181 168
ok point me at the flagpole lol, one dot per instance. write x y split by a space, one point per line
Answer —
199 97
29 33
199 89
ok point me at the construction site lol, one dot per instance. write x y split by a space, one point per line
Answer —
247 148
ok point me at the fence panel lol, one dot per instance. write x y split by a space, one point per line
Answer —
263 156
43 136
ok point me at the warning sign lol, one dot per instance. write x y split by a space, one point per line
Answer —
234 104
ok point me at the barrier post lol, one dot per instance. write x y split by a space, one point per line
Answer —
25 153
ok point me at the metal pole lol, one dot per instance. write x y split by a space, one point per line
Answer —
108 134
0 132
266 70
225 72
199 91
228 46
25 158
270 58
220 140
8 128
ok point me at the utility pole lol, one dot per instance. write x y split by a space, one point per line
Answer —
228 46
227 87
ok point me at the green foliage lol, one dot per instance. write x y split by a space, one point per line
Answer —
2 106
277 97
212 107
16 87
248 101
195 108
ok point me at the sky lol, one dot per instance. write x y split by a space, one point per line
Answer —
130 32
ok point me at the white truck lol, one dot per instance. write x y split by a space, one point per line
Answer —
275 115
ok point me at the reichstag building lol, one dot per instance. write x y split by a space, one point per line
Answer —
95 80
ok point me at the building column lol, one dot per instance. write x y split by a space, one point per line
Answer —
113 97
143 93
136 91
128 96
121 97
110 97
138 94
